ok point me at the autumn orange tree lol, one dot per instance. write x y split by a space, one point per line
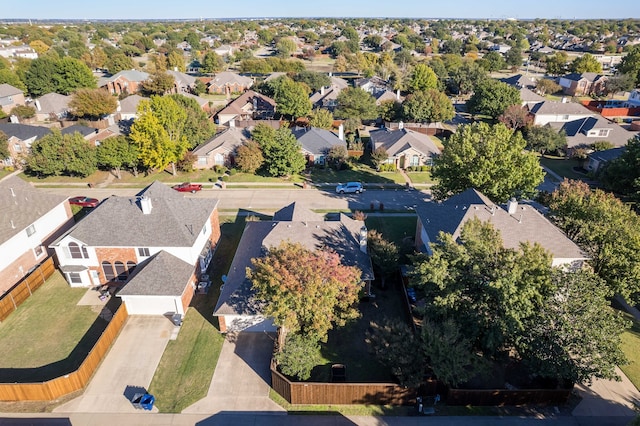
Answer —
306 292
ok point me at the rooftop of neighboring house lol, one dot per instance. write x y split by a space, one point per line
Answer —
238 105
585 131
520 80
315 140
229 78
608 154
8 90
525 224
21 205
227 140
182 78
130 75
78 128
555 108
397 141
129 105
23 131
589 76
292 223
529 96
52 103
174 220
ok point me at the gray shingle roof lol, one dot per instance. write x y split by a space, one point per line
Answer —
182 78
317 141
77 128
577 132
223 78
239 105
397 141
131 75
9 90
23 131
341 236
526 225
161 275
227 140
53 103
174 221
296 212
129 105
608 154
550 107
529 96
28 205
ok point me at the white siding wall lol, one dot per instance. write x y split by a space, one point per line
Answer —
153 305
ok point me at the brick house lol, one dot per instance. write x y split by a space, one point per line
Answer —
127 81
152 249
229 82
31 219
405 147
220 150
10 97
587 83
248 106
20 138
316 143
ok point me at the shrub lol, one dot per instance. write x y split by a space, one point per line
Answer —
425 168
219 169
387 167
232 172
224 178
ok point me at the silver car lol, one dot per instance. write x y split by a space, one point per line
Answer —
349 187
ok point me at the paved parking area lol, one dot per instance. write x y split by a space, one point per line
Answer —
130 364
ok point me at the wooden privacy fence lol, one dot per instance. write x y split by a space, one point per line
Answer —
71 382
25 288
340 393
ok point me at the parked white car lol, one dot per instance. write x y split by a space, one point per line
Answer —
349 187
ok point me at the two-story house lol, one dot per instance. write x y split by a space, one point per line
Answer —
10 97
128 81
20 137
30 219
154 248
404 147
587 83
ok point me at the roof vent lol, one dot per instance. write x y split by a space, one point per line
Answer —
512 206
145 204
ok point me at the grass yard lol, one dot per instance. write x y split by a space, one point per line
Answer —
420 177
96 178
361 173
563 167
395 229
48 335
187 365
251 178
631 348
4 172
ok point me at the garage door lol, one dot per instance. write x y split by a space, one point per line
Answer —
149 305
250 323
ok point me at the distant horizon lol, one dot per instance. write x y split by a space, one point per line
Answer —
196 10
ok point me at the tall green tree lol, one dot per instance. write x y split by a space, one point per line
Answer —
428 106
281 150
292 98
464 78
300 355
9 77
314 80
249 156
586 63
212 63
197 126
321 118
606 229
117 152
158 83
423 78
72 74
354 102
556 64
56 154
490 159
514 57
285 47
118 62
39 76
306 292
4 146
545 139
631 63
575 335
492 98
493 61
384 255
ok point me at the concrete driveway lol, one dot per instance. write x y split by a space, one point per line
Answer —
129 364
242 377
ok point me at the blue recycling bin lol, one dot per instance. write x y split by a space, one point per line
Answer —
143 401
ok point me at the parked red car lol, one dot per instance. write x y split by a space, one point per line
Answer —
188 187
84 201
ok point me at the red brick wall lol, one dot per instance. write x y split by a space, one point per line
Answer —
188 293
215 228
114 254
222 323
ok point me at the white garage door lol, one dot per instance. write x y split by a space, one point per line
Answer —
150 305
250 323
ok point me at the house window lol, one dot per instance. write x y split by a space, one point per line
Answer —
415 160
74 251
74 278
565 117
603 132
202 161
17 147
107 269
143 251
219 160
121 271
31 230
38 251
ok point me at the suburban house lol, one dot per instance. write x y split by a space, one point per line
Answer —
182 83
520 81
237 309
316 143
583 132
229 82
31 220
633 101
90 134
10 97
220 149
598 159
529 97
128 107
517 223
405 147
20 137
202 102
327 97
587 83
549 111
52 107
248 106
224 50
154 248
379 89
127 81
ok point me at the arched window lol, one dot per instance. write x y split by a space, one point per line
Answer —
121 271
130 267
107 268
74 251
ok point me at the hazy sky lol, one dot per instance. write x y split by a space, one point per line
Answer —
190 9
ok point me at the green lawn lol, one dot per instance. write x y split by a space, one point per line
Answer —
631 348
251 178
395 229
48 335
4 172
361 173
94 179
187 365
563 167
420 177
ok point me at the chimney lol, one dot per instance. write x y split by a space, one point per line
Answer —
322 91
398 95
400 125
363 239
512 206
341 132
232 122
145 204
38 107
